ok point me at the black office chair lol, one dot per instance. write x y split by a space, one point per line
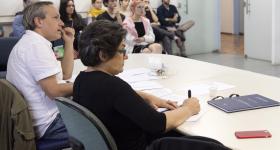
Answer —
85 126
6 46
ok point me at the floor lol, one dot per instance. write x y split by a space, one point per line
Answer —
232 44
232 55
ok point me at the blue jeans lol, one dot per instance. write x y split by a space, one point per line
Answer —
55 137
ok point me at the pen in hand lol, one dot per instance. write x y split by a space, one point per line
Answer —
189 93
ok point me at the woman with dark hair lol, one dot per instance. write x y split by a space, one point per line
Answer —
71 18
129 115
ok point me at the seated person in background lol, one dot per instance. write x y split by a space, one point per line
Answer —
168 17
161 35
113 13
33 69
18 28
130 116
71 19
96 8
1 31
124 5
140 36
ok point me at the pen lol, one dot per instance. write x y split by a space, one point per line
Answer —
189 93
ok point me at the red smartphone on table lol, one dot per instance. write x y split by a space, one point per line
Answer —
252 134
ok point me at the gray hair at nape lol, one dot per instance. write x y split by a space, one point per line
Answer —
32 11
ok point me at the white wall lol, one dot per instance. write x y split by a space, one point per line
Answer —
8 8
227 16
204 37
241 21
275 58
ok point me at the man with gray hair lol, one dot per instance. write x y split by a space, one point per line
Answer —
18 28
34 71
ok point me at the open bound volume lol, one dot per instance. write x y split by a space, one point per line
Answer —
242 103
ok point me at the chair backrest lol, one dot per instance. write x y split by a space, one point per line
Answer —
6 46
85 126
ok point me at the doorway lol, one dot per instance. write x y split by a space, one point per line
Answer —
232 27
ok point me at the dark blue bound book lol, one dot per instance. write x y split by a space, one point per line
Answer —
242 103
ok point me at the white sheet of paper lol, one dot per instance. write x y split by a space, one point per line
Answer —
133 72
159 92
145 85
202 89
137 75
138 78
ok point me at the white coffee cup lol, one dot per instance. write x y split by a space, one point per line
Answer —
213 89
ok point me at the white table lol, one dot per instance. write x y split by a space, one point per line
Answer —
214 123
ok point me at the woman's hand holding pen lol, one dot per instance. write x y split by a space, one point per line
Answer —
192 104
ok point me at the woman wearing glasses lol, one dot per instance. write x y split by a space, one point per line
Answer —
130 116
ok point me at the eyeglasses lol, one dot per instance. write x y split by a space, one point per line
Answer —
221 97
122 51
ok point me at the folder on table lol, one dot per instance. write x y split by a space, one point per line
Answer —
242 103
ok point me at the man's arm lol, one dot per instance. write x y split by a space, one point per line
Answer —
53 89
67 62
177 17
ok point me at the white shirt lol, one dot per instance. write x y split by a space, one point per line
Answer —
31 60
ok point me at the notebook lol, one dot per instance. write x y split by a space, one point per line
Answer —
242 103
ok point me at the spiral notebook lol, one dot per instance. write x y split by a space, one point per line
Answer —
242 103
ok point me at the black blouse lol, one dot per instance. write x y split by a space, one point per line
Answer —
125 114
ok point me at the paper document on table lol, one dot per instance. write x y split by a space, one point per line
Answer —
159 92
138 78
202 89
137 75
133 72
145 85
